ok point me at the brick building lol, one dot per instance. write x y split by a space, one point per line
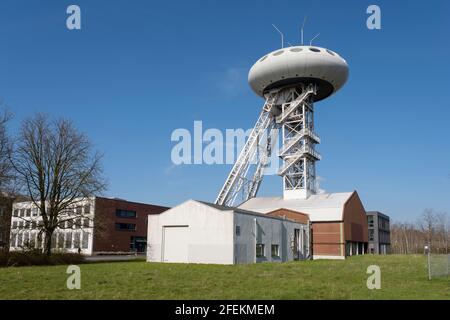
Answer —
96 225
338 221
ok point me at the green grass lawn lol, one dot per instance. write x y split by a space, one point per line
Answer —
402 277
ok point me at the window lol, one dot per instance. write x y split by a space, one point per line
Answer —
20 224
13 240
87 208
314 49
22 213
370 221
26 239
79 210
60 240
371 235
278 53
32 239
125 226
16 213
28 212
68 240
14 225
125 213
76 240
260 250
34 212
275 250
85 241
238 231
78 223
86 223
296 49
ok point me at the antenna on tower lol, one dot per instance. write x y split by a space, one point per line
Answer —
310 43
282 36
303 26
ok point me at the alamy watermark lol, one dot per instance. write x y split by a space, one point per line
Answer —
73 21
74 279
214 146
373 22
374 280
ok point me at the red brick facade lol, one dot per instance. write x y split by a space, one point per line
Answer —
108 236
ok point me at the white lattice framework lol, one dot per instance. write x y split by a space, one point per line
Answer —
291 110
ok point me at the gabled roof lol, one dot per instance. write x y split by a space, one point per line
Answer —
238 210
319 207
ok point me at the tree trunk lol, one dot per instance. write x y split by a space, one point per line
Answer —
48 242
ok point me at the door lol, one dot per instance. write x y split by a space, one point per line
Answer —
297 244
176 244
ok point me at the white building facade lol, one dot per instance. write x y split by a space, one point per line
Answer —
199 232
74 235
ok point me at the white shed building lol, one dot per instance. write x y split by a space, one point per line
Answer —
200 232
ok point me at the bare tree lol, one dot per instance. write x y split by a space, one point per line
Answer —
427 224
6 170
6 180
57 169
431 229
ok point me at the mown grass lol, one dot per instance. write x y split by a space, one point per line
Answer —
402 277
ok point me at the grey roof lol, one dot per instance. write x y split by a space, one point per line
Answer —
377 213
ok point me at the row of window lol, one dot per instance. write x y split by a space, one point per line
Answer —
297 49
126 213
33 212
261 250
382 223
60 240
69 224
125 227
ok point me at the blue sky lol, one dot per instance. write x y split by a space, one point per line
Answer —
140 69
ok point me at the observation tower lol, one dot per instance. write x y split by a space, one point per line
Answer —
290 80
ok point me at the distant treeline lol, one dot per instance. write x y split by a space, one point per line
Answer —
432 228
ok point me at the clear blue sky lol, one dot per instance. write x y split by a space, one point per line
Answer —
140 69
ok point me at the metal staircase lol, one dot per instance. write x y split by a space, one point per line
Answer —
237 177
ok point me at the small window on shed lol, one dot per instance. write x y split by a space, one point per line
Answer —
238 231
260 250
275 250
314 49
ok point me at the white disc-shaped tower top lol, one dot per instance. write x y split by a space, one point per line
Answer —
299 64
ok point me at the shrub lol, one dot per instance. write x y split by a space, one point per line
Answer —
37 258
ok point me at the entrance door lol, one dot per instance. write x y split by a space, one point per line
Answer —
296 244
176 242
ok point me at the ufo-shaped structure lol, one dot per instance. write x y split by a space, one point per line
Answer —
299 64
290 80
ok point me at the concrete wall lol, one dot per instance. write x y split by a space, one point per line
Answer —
222 236
268 231
210 233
